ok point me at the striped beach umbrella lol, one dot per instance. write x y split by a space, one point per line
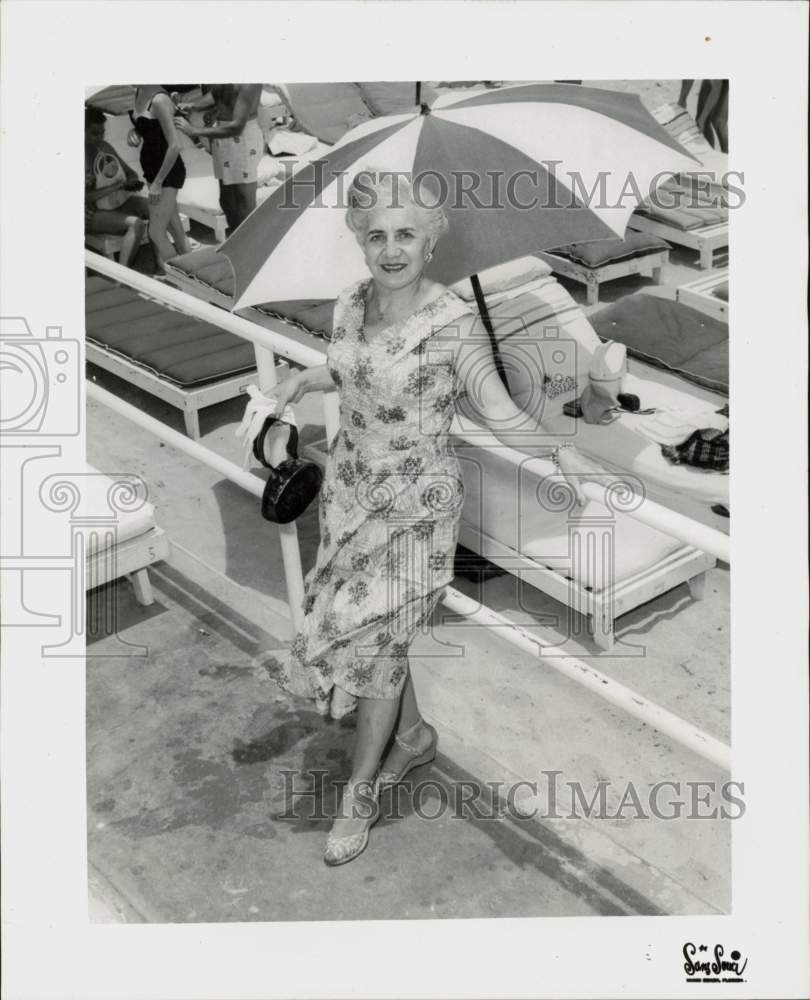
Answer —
519 169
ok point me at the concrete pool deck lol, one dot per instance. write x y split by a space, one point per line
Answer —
188 746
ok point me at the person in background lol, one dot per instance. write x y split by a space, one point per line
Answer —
712 110
237 143
110 206
162 166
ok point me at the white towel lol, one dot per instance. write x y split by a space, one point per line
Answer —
258 408
672 427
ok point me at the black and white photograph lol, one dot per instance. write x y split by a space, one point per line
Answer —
370 505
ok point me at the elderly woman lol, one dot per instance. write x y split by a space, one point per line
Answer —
392 493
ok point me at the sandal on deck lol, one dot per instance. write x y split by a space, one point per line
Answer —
340 850
418 757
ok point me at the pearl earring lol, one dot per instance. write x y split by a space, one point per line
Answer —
429 255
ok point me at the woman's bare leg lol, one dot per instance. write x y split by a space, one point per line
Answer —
131 228
410 726
181 244
131 243
160 216
375 721
720 118
243 201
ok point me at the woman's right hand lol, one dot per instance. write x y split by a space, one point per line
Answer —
291 390
133 139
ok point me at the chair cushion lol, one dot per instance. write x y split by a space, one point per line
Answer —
607 251
691 217
546 344
504 277
174 346
94 503
211 268
669 335
208 266
637 548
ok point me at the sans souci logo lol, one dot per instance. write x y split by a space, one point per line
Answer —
704 966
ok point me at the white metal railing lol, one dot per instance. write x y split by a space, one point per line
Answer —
266 343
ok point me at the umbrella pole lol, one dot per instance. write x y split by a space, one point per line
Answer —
418 92
481 302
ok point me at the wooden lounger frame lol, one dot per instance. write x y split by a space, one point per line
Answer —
598 611
698 295
706 240
593 277
130 559
190 400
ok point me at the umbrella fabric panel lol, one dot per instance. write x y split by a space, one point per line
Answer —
626 109
567 169
597 161
306 201
489 235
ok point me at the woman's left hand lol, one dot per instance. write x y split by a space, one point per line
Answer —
155 191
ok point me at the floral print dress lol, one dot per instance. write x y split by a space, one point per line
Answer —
389 506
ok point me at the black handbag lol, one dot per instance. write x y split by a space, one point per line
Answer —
292 484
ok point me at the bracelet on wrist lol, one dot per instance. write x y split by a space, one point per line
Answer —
555 455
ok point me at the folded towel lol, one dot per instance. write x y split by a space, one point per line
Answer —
281 142
673 427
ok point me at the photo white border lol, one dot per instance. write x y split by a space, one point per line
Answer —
50 52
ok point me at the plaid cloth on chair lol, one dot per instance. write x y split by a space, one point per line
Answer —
705 449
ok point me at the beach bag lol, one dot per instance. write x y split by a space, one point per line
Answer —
599 401
292 484
107 170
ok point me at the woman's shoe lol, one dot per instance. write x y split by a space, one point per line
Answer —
418 757
340 850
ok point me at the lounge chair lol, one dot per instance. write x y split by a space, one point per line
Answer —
605 260
709 294
134 545
701 229
187 363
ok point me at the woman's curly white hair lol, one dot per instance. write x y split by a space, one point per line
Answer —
373 187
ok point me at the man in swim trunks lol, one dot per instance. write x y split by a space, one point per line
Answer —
237 143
